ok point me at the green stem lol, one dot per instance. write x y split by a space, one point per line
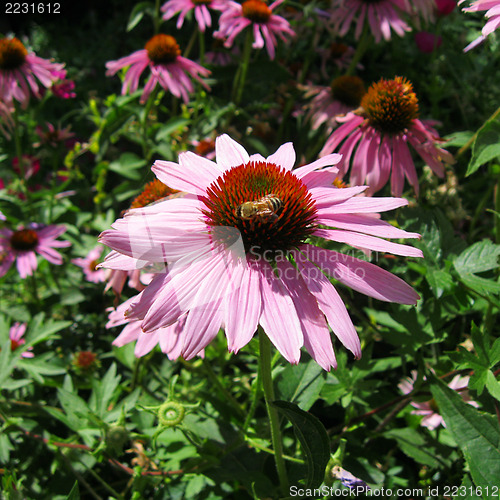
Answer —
469 143
241 74
255 398
157 17
190 45
19 153
360 50
267 384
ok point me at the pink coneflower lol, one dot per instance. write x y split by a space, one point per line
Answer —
21 245
381 15
493 16
52 136
20 70
201 10
205 148
382 131
242 216
343 95
122 268
428 409
16 332
169 338
89 265
257 14
168 68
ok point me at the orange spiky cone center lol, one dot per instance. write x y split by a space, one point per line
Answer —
24 240
285 226
256 10
391 105
153 191
12 53
162 49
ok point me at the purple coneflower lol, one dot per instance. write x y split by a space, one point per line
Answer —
493 16
428 409
238 253
201 10
260 17
381 15
21 245
20 71
168 69
343 95
89 265
16 332
381 132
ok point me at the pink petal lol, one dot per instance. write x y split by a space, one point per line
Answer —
362 276
229 153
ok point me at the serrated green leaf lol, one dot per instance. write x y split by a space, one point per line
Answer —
439 280
495 353
479 257
301 384
486 147
492 385
103 391
172 125
476 433
313 439
413 444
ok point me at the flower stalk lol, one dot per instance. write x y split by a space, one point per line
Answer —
267 384
241 74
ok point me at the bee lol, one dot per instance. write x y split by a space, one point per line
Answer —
264 208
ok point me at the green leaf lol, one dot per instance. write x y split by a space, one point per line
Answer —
458 139
492 385
137 14
103 391
173 125
413 444
74 494
301 384
476 433
313 439
128 165
479 257
486 146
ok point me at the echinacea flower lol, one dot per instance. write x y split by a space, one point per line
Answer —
16 332
20 70
201 11
234 252
338 54
52 136
343 95
381 15
428 409
21 245
168 69
382 130
493 15
126 268
168 338
445 7
89 265
259 16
